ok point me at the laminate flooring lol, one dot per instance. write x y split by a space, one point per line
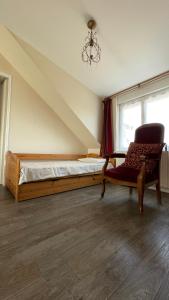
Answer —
75 246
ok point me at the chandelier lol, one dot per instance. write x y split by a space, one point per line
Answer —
91 50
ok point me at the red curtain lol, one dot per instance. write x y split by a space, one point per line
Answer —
107 146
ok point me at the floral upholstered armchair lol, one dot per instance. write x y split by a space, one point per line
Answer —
141 167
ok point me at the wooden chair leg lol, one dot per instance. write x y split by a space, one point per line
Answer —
130 190
140 198
158 192
103 188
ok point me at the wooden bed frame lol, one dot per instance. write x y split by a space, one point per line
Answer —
42 188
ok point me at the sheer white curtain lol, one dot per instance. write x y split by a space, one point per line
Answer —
129 120
157 110
150 108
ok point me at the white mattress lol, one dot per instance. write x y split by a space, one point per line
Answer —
34 170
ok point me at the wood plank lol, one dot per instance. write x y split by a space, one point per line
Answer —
41 156
44 156
43 188
163 292
75 246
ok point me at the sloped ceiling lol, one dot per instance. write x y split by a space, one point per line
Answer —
133 36
25 66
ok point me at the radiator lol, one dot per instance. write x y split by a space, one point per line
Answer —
164 172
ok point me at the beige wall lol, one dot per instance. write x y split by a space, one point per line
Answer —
34 127
1 96
82 101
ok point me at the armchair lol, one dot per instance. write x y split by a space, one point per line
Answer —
141 167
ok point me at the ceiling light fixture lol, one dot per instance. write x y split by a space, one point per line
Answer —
91 50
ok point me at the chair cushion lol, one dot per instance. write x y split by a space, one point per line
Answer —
127 174
133 159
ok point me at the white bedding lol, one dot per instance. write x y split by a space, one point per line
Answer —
34 170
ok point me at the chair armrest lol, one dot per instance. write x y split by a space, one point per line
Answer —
141 175
112 155
116 155
105 165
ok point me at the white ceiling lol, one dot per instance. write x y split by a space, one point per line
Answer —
133 36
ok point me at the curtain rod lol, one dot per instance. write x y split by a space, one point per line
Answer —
140 84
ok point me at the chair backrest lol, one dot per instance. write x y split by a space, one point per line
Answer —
152 133
149 140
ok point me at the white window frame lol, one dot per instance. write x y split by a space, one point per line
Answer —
139 93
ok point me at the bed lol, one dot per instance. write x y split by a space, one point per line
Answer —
30 176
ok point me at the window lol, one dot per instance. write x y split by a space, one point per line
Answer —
150 108
129 120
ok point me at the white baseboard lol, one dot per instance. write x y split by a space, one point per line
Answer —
165 190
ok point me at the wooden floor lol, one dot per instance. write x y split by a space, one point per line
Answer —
75 246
